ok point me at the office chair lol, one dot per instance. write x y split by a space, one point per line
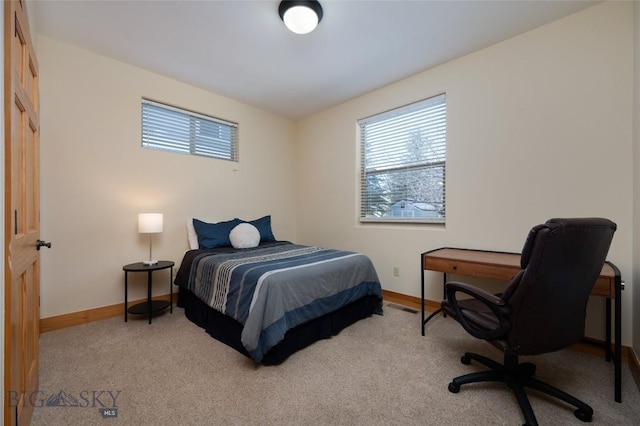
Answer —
542 309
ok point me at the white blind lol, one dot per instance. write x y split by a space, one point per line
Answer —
403 158
172 129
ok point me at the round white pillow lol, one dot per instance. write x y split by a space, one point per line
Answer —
244 235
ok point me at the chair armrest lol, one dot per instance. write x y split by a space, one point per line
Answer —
475 292
493 302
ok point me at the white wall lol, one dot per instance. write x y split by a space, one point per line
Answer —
539 126
96 178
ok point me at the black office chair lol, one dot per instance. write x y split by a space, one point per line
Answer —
542 309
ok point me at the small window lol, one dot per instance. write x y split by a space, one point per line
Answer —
176 130
403 153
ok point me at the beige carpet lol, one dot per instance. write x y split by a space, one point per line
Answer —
380 371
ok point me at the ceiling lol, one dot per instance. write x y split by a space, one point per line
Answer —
242 50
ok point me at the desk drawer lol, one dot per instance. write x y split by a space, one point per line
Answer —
500 266
605 287
470 269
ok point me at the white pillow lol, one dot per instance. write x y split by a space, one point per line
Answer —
244 235
192 236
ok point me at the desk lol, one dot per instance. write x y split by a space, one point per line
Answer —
503 266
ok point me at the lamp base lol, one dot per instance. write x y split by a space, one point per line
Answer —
150 262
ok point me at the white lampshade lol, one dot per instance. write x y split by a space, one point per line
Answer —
149 223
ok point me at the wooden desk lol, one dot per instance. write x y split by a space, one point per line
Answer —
503 266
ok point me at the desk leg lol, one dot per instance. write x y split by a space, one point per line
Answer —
618 336
607 321
126 285
422 322
171 290
444 293
149 285
437 311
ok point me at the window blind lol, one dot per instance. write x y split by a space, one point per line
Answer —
176 130
403 159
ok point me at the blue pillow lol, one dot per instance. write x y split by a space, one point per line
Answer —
212 235
264 227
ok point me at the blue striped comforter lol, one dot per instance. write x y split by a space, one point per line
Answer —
274 288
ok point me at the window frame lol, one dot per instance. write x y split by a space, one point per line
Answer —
182 131
434 124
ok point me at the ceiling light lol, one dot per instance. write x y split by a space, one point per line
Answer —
300 16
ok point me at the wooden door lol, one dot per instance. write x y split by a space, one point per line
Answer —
21 227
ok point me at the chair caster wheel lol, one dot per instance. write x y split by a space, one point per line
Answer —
454 388
583 415
466 360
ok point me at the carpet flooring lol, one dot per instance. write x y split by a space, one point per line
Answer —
379 371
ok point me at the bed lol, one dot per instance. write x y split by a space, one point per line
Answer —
271 300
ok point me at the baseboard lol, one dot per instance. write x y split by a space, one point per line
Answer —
409 301
90 315
634 366
591 346
105 312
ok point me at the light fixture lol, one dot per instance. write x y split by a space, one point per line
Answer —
300 16
150 223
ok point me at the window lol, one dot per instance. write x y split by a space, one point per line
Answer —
172 129
403 154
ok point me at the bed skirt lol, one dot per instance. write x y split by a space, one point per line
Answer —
227 330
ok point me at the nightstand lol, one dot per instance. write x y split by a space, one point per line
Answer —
150 306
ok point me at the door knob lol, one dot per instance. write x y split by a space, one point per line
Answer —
41 243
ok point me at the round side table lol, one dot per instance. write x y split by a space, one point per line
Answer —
150 306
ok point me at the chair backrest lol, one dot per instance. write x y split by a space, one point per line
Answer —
561 261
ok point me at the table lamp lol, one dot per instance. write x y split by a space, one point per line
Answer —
150 223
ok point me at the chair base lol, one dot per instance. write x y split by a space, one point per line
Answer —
517 376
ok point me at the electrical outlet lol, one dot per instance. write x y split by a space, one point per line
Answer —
396 271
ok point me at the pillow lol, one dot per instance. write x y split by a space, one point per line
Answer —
191 235
264 227
244 235
212 235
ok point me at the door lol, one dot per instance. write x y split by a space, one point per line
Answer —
21 227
